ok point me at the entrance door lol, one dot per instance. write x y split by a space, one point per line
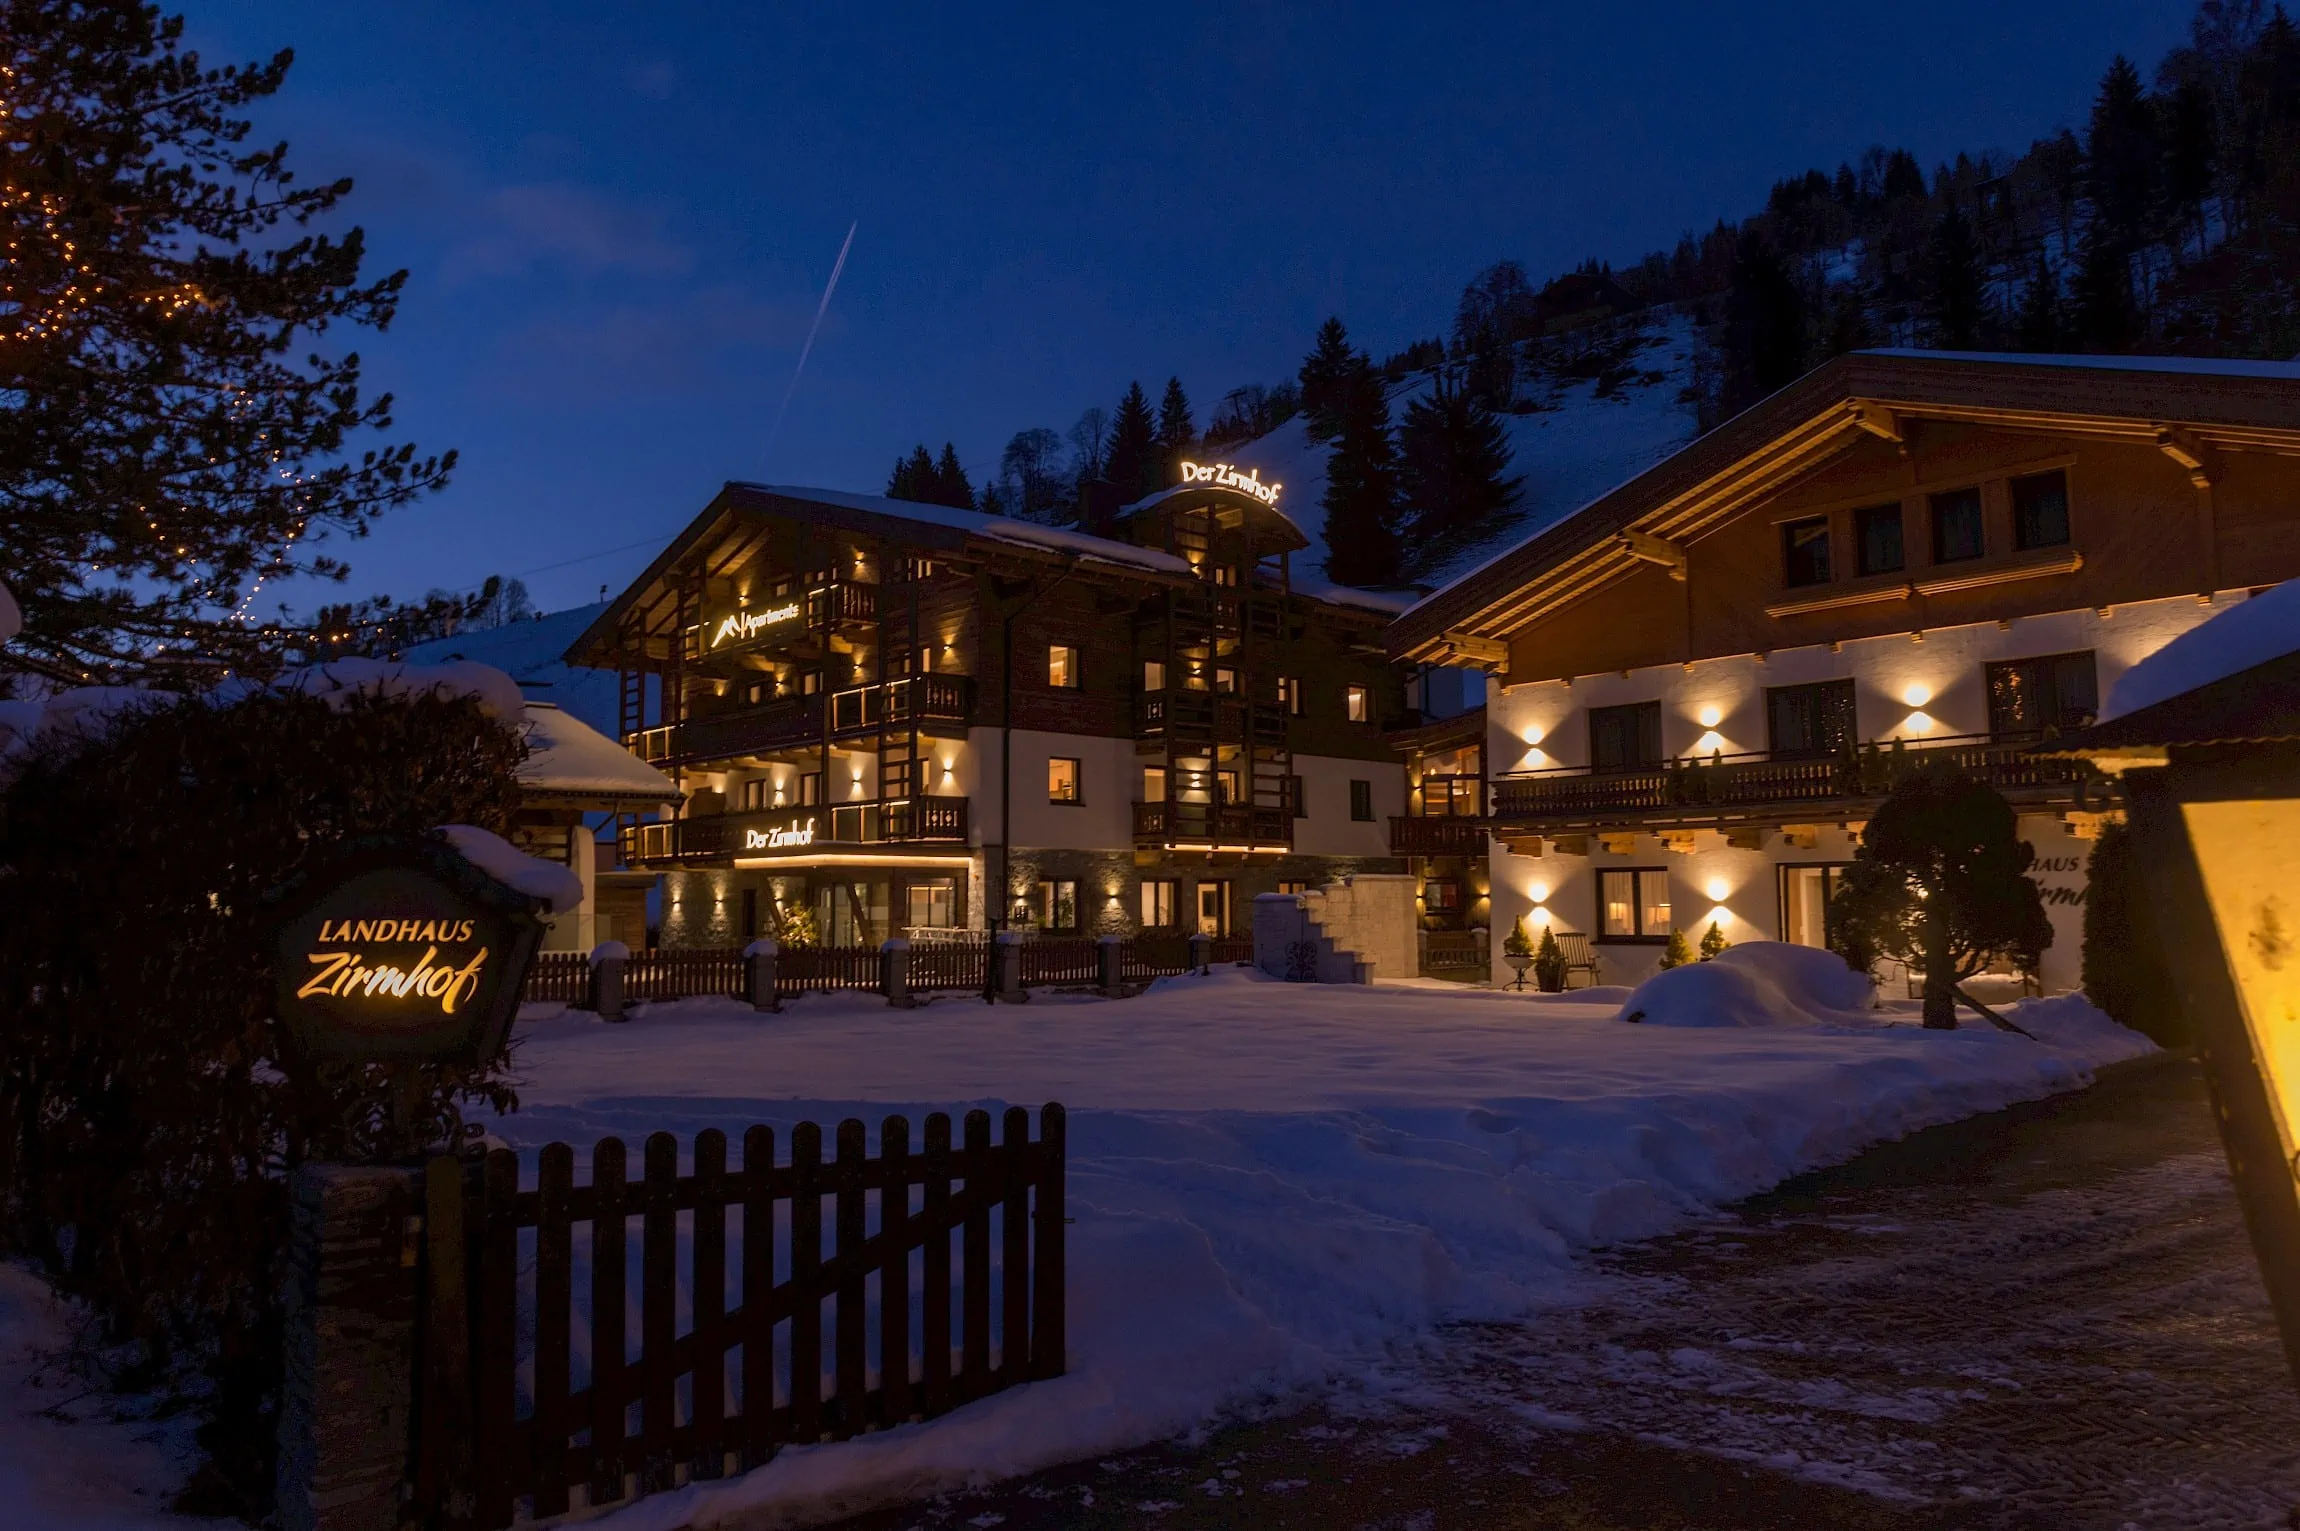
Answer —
1213 908
1805 895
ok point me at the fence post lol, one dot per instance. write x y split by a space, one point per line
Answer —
894 972
607 960
1110 967
759 974
1201 952
1006 955
352 1295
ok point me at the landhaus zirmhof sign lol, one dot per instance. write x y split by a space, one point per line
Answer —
402 950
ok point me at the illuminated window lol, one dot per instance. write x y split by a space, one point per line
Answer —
1153 674
1153 784
1225 680
757 691
1159 901
2040 510
810 789
1362 801
1441 895
1290 694
1061 666
1058 903
1633 904
1293 887
1805 552
1062 779
1358 704
2028 697
1227 782
932 903
755 793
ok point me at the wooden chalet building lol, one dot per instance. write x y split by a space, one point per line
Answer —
904 718
1701 685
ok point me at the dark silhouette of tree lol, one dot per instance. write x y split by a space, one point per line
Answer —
2123 158
1454 483
950 485
1959 296
1090 445
2039 325
1362 546
1132 462
1941 884
1326 377
1176 430
1903 177
173 431
913 476
1764 323
2191 156
1033 484
2106 320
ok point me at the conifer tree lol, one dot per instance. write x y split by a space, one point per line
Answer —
2123 158
2105 317
2039 326
1959 295
1678 952
1327 375
1764 323
950 485
913 477
1131 460
1454 484
1176 430
2191 156
174 430
1362 546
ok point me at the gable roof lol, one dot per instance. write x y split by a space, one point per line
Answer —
2173 402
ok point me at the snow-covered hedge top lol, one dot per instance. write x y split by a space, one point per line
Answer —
338 681
2249 633
557 886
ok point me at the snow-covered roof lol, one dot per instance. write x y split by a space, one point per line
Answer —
533 653
2247 634
567 758
1060 539
1388 602
2197 366
1150 502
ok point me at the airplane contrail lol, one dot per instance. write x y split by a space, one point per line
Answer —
804 351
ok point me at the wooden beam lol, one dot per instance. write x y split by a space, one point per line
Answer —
1660 550
1468 648
2201 461
1879 422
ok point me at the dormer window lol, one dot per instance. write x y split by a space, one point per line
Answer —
1805 552
1957 533
2040 510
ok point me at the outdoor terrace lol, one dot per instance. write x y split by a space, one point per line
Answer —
938 703
1229 826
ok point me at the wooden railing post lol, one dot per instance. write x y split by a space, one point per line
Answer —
1006 957
1109 963
1049 1341
759 959
1201 952
608 960
894 972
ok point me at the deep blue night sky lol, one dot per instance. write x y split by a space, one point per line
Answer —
618 218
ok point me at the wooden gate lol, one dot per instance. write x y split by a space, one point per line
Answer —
532 1403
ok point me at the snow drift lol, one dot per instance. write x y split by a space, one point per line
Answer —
1755 984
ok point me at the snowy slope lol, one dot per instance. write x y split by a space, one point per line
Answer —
1575 447
529 652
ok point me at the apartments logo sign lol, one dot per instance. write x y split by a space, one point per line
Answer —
739 627
1222 476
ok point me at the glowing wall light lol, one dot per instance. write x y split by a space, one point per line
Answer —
1916 694
1712 715
1718 888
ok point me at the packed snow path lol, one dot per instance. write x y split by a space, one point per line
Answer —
2045 1317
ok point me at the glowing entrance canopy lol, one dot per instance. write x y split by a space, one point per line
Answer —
1222 476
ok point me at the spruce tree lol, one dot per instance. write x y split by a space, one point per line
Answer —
913 477
2105 316
1362 545
175 430
2038 326
1454 484
1764 323
1131 460
1176 430
2191 156
1959 294
2123 158
950 486
1327 376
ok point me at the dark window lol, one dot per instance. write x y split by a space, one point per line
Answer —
1297 798
1803 721
2040 510
1957 526
1625 738
1805 552
1362 801
2052 691
750 914
1633 904
1441 895
1877 539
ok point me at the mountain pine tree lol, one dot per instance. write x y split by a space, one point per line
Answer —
172 435
913 477
2039 326
1362 546
2105 316
2123 157
1131 460
1764 323
2191 156
1176 430
1327 375
1959 293
1454 484
950 486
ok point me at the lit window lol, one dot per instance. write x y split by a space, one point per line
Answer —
1290 694
1153 784
1225 680
1153 674
1441 896
933 903
1633 903
1285 886
1062 779
1158 904
1061 665
1227 782
1358 704
1058 903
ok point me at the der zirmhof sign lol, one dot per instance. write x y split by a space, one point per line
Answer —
402 950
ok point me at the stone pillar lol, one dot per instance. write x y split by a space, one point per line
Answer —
894 972
607 959
1201 952
759 974
1006 960
347 1406
1110 967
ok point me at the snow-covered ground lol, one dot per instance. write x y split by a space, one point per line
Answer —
1274 1185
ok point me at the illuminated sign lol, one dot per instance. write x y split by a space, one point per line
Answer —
743 626
402 950
793 837
1222 476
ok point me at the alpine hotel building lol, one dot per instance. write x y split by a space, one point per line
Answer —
912 720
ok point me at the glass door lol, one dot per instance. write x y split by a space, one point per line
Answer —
1213 908
1805 895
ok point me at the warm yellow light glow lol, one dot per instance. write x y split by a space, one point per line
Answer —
1711 716
1539 893
1709 743
1534 735
1541 915
1917 694
2246 852
1534 761
1917 723
1718 889
1721 915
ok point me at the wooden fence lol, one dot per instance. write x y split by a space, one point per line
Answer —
676 974
532 1399
561 976
1047 960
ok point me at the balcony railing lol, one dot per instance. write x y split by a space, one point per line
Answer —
1212 824
1438 835
919 821
1736 784
793 721
929 698
1187 714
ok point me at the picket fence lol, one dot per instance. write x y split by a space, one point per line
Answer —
533 1405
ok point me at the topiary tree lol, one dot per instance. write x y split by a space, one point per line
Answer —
1713 941
1549 964
2123 974
149 1107
1941 883
1518 943
1677 953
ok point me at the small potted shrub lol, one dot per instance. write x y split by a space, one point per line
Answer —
1549 964
1678 952
1517 951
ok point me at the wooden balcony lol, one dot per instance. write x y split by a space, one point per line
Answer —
943 704
938 703
1438 835
1761 787
938 823
1224 826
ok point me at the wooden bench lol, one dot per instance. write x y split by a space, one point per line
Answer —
1578 957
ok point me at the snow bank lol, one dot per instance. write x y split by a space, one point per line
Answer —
1275 1183
340 680
2249 633
1754 984
557 886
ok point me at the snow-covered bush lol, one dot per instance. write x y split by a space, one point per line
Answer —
148 1114
1753 984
